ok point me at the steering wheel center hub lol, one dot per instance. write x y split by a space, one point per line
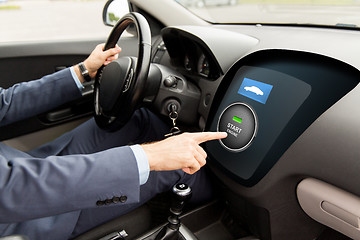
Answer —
113 82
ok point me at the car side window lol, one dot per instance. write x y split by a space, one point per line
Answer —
43 20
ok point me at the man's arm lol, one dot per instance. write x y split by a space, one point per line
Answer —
180 152
40 187
28 99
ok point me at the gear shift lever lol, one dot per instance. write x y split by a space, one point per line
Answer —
174 230
182 193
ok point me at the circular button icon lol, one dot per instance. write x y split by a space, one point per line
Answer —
240 122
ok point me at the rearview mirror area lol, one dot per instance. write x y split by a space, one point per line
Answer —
114 10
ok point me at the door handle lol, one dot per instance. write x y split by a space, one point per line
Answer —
59 115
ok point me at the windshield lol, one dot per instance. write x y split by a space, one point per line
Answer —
344 13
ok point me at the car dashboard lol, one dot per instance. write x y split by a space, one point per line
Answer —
301 91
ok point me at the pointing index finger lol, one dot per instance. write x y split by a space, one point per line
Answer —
207 136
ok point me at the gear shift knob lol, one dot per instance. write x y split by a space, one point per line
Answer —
182 190
182 193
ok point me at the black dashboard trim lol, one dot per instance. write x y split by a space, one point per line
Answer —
179 41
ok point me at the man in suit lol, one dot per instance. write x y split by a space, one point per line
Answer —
88 176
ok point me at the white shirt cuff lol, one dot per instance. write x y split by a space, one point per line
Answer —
142 162
76 79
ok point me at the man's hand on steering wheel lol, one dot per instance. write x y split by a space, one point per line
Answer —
98 57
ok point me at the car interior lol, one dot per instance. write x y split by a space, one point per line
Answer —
286 94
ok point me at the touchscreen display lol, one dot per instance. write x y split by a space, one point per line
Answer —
265 90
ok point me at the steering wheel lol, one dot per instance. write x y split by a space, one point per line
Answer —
119 87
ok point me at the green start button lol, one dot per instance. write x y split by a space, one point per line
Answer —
240 122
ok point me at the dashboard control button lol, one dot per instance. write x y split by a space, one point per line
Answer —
240 122
170 81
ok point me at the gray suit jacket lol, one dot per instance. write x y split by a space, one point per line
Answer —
42 197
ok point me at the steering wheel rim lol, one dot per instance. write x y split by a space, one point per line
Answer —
131 90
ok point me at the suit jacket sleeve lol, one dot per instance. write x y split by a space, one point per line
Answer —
28 99
39 187
35 188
